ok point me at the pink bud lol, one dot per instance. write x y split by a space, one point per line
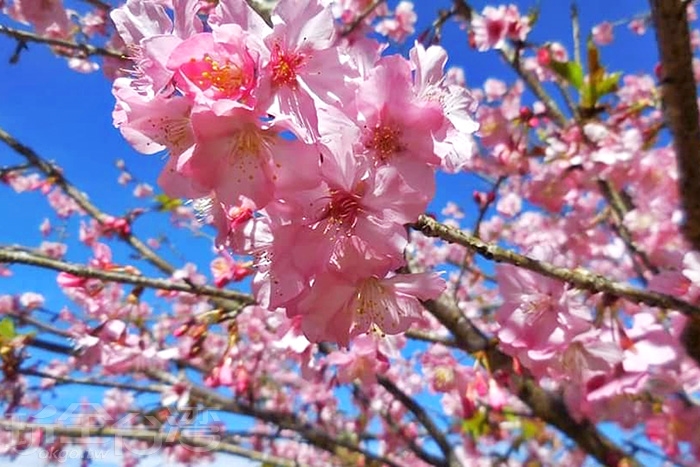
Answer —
67 280
544 56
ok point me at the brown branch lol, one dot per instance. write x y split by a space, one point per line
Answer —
423 418
66 380
289 421
23 257
53 173
680 105
423 336
579 277
361 17
51 346
545 405
5 171
162 438
679 92
83 50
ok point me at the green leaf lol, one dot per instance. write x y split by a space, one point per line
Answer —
533 14
596 71
477 425
608 84
530 428
7 329
571 72
166 203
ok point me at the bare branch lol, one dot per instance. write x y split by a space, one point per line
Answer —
680 105
182 437
579 277
23 257
361 17
316 436
52 172
81 50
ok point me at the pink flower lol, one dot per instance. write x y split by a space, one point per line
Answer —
302 63
452 140
402 25
638 26
220 65
239 154
31 301
362 362
48 17
152 124
495 25
396 125
537 312
603 33
225 269
339 307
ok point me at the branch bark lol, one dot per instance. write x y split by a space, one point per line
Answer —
82 50
579 277
24 257
161 438
680 105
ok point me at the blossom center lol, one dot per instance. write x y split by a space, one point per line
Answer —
342 209
250 140
176 131
370 296
385 140
285 67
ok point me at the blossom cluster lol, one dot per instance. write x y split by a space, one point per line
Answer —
308 150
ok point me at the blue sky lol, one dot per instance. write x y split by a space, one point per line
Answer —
66 116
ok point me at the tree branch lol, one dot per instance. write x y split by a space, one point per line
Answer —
423 418
162 438
679 92
680 105
83 50
52 172
545 405
316 436
23 257
579 277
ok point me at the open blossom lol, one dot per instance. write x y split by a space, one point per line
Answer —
341 306
47 17
494 26
223 64
401 25
603 33
308 152
362 362
452 140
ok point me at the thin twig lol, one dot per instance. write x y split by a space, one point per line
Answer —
211 442
23 257
579 277
316 436
576 32
83 50
361 17
52 172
